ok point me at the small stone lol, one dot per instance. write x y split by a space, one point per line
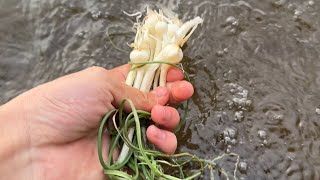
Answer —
233 141
278 116
231 19
243 92
235 23
248 102
230 103
236 100
279 3
228 149
311 3
240 88
238 115
232 85
262 134
220 53
82 34
243 167
95 15
230 132
227 140
242 101
265 142
297 12
232 31
318 111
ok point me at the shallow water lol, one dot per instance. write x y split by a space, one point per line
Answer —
255 66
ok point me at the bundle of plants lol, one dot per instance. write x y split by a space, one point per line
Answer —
160 35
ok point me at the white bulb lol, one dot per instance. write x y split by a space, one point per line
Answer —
171 53
172 29
139 55
161 27
151 21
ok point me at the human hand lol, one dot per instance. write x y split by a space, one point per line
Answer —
61 119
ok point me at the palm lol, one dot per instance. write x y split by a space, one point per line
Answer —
67 141
76 160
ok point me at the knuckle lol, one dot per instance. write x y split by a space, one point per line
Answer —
97 70
145 102
98 73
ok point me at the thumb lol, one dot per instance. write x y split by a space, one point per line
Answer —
141 100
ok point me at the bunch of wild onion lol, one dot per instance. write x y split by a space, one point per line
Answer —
157 46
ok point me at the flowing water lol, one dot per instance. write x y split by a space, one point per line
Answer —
255 66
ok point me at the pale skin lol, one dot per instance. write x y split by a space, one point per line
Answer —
50 131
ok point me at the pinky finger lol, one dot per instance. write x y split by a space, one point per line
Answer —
166 141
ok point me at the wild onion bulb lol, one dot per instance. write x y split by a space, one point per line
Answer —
139 55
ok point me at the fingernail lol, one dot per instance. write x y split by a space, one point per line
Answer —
160 109
160 134
166 114
160 91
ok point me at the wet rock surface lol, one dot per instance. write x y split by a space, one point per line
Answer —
255 66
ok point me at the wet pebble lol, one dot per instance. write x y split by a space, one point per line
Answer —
243 167
228 150
311 3
279 3
238 115
232 85
265 142
82 34
278 116
240 101
230 132
243 92
231 20
297 14
225 50
227 140
233 142
318 111
95 15
248 102
220 53
274 116
262 134
63 13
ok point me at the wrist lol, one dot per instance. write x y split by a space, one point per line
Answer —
15 155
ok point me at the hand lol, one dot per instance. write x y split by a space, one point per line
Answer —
61 118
